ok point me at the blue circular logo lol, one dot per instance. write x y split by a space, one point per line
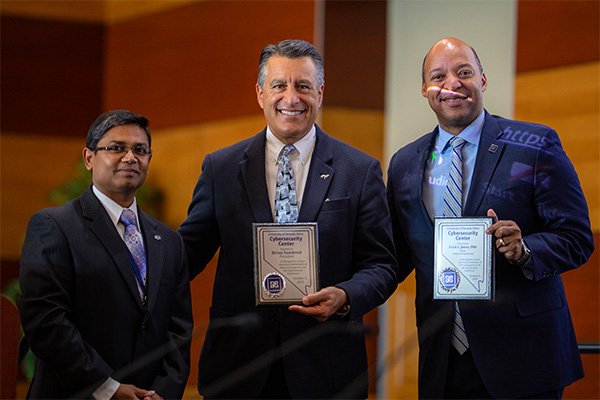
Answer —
274 284
449 279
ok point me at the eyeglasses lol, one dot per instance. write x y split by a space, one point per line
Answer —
117 149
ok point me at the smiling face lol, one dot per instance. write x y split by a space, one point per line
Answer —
453 84
116 175
290 98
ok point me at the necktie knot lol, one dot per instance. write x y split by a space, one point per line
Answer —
287 150
127 217
457 143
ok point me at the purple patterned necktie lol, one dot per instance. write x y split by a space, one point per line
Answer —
133 240
286 203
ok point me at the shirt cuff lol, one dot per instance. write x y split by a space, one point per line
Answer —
106 390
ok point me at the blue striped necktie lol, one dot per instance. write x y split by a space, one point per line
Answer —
453 208
286 203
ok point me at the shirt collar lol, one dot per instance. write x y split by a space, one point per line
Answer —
304 146
470 134
113 209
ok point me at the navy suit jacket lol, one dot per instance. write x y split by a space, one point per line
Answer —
523 343
81 310
345 195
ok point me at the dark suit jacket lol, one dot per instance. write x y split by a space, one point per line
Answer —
81 311
523 343
345 195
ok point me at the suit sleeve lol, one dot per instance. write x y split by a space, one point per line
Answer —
176 363
45 306
403 251
199 230
373 258
564 240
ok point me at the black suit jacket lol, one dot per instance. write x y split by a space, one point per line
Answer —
345 195
81 310
523 342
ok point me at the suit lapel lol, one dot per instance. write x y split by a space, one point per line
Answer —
416 174
103 228
418 163
489 154
319 178
255 181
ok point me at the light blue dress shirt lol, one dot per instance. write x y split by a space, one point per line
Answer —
439 162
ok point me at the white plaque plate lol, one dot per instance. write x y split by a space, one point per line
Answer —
464 259
286 262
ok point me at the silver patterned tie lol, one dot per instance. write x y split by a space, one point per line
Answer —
286 203
453 208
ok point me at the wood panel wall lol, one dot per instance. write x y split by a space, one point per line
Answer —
558 84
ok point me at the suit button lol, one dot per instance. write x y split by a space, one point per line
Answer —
143 329
272 317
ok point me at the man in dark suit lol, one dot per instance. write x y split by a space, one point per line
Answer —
522 344
105 301
317 349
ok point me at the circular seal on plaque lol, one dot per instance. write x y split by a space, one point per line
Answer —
449 279
274 284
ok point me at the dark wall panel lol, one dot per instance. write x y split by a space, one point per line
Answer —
355 43
557 33
51 76
199 62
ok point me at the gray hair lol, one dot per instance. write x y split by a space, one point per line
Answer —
111 119
290 49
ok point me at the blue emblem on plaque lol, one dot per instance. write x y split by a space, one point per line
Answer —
449 279
274 284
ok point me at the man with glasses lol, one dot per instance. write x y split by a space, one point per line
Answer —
106 303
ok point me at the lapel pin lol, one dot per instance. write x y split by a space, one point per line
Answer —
493 148
327 199
157 237
324 176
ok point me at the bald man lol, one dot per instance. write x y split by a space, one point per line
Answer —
521 344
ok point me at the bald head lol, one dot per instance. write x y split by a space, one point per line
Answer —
449 42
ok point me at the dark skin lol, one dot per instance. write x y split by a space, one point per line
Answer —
508 238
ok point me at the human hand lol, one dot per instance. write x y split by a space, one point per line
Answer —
153 396
508 236
125 391
323 304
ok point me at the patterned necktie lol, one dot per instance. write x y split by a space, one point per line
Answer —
133 240
453 208
286 204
